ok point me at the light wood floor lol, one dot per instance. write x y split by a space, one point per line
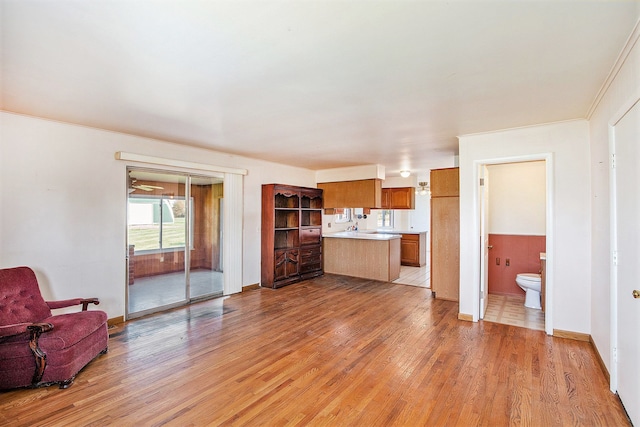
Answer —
332 351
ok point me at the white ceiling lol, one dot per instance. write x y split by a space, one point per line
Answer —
317 84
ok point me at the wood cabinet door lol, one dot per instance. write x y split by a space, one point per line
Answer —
386 198
364 193
402 198
445 182
445 247
410 250
310 236
285 264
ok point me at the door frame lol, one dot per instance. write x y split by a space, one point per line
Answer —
483 192
233 211
613 241
550 235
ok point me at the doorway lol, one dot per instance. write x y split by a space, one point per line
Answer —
513 202
168 212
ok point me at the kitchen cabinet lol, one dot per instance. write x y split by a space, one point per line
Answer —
445 234
412 249
291 240
364 193
399 198
445 182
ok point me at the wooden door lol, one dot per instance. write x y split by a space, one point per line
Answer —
445 248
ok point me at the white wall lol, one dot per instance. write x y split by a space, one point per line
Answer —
517 193
567 143
63 201
624 86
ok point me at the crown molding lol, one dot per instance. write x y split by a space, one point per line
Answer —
617 65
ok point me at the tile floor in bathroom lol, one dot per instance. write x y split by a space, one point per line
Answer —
510 310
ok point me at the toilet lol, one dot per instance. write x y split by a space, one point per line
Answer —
530 283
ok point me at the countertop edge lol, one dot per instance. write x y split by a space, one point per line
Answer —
363 236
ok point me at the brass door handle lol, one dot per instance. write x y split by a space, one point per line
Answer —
636 293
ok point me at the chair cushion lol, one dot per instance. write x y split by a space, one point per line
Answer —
70 328
66 363
20 298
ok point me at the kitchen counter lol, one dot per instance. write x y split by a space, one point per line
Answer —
362 254
413 248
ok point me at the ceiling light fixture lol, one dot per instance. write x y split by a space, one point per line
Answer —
423 190
405 174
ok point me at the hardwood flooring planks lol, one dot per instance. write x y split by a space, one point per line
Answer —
329 351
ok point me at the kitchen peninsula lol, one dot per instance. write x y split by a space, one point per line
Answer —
373 256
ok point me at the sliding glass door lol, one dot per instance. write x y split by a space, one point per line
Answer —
173 239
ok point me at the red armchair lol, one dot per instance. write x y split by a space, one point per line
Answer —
37 348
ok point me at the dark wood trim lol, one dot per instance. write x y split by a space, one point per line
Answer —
40 356
115 321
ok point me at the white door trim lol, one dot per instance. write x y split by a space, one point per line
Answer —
550 235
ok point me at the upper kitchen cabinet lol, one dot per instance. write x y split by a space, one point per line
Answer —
399 198
363 193
445 182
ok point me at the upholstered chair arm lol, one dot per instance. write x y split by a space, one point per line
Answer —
41 358
39 327
15 329
71 302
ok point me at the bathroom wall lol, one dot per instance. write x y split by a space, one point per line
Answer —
521 253
517 211
517 193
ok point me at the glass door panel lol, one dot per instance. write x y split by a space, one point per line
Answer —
157 225
168 212
205 275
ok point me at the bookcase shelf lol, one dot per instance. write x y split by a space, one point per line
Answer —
291 246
